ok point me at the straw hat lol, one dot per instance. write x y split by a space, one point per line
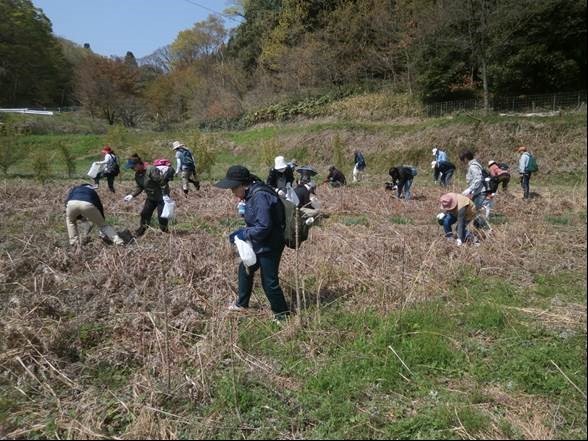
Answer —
448 201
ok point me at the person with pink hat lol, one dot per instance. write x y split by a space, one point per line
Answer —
111 168
456 208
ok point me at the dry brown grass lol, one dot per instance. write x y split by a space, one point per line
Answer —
159 306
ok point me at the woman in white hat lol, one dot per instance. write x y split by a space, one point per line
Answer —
280 175
185 166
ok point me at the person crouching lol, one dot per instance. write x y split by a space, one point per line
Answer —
459 209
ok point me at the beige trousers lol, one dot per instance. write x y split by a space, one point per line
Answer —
89 215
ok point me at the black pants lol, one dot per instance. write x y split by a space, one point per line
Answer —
525 183
497 180
147 212
109 178
270 265
446 177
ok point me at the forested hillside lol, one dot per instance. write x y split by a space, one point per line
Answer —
291 50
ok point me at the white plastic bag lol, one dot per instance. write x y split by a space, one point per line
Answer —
169 209
246 253
291 195
95 169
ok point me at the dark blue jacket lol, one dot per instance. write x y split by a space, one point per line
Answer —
264 216
87 194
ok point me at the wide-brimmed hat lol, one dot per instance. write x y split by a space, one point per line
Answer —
177 145
521 149
106 149
280 163
448 201
236 175
306 170
492 161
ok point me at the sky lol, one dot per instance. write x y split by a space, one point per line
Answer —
113 27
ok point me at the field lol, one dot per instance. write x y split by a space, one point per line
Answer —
398 333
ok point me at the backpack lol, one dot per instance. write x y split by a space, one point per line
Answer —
531 164
487 180
413 169
503 166
187 158
113 169
290 219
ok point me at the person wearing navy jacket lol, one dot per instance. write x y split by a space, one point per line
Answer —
83 207
264 218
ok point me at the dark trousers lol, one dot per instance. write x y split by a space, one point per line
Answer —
270 265
525 179
446 177
147 212
109 179
497 180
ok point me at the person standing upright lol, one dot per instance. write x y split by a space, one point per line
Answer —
474 178
185 166
527 166
359 166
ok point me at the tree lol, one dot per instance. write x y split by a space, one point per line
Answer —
203 41
33 70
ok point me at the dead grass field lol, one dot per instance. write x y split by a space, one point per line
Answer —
136 342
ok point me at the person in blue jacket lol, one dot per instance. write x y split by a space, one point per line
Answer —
82 209
265 219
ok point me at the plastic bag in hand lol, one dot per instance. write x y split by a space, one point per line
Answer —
246 253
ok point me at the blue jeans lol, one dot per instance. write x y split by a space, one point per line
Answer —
270 265
525 180
406 190
448 222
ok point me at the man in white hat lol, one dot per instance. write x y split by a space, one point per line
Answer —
280 175
185 166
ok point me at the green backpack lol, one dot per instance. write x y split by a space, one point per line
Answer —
532 164
290 220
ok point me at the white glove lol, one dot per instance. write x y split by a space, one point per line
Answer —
458 242
466 192
166 199
281 193
128 197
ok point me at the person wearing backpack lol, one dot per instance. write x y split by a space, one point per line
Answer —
148 178
185 166
359 166
111 168
265 221
402 180
498 175
308 203
527 166
280 175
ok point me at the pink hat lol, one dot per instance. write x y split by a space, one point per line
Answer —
448 201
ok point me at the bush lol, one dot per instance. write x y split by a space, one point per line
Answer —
41 166
69 160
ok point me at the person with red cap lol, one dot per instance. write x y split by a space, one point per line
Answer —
456 208
110 168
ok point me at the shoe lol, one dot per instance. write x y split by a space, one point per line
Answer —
236 308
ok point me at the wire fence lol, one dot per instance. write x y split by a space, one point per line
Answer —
552 102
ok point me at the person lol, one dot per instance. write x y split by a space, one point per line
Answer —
335 178
280 175
442 169
459 209
308 203
111 168
476 189
359 166
498 175
306 174
524 172
83 209
265 221
149 179
402 181
185 166
167 171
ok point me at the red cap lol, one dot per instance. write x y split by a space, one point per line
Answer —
106 149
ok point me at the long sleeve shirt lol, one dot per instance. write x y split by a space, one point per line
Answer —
474 179
440 156
152 182
523 162
495 170
465 213
264 218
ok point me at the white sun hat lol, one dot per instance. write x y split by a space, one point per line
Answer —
280 163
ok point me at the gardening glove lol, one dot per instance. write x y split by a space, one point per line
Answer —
240 234
128 197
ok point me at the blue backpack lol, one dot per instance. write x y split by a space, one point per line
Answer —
187 159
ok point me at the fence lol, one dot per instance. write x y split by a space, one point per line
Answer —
524 103
41 110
